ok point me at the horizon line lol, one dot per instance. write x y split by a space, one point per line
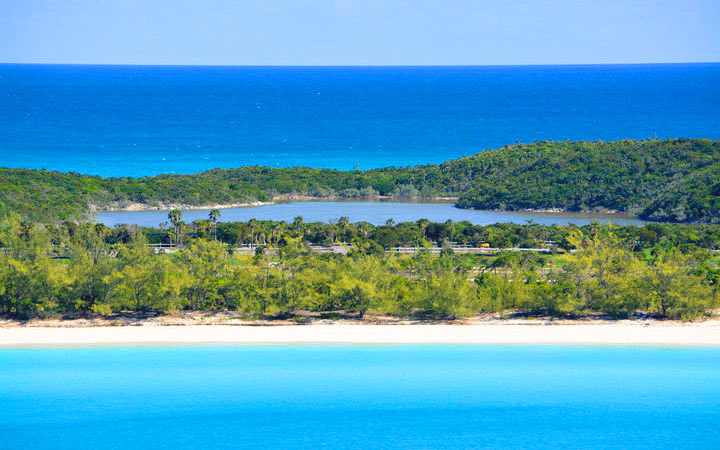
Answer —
355 65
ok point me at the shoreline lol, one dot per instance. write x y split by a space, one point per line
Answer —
143 207
702 334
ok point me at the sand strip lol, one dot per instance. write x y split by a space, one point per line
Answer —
703 334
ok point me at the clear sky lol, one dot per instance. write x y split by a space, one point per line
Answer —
355 32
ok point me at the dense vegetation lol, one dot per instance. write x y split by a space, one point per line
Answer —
663 270
666 180
687 237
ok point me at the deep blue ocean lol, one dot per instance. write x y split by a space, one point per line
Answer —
354 397
135 120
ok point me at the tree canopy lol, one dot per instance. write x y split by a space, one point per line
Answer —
667 271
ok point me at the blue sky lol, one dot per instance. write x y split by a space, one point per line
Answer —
354 32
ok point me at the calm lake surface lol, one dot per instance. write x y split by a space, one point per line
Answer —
350 397
376 213
135 120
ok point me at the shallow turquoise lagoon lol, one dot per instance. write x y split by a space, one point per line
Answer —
376 213
408 397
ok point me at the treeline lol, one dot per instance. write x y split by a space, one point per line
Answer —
687 237
423 232
87 269
666 180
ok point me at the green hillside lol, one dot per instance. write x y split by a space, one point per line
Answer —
669 180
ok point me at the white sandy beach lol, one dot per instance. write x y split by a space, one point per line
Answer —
697 334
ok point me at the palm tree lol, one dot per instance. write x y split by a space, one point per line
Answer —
214 214
298 223
423 224
344 224
277 232
450 229
100 229
253 224
363 228
175 217
181 228
200 227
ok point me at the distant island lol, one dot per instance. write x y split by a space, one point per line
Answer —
674 180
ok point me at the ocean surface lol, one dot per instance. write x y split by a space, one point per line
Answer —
354 397
376 213
135 120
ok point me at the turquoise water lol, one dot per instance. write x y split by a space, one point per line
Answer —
376 213
134 120
401 397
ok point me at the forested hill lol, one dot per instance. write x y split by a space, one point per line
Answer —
675 180
672 180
